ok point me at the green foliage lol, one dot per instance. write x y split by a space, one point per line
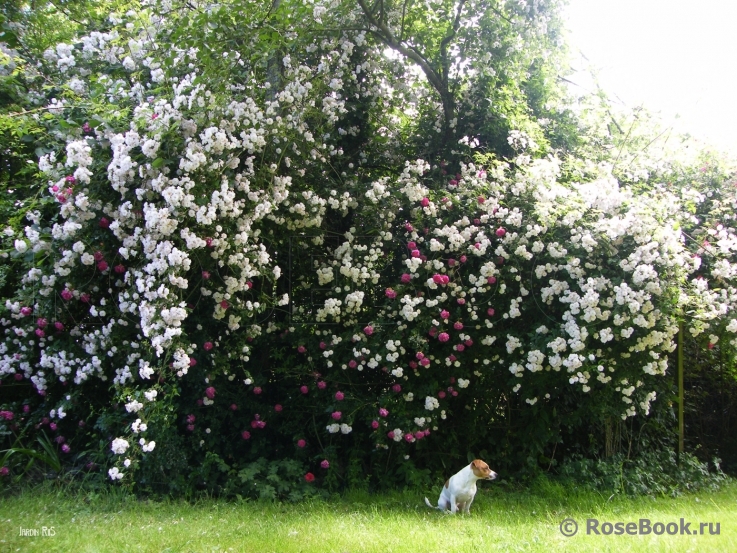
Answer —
660 472
287 150
47 455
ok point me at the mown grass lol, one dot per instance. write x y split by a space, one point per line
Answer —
501 520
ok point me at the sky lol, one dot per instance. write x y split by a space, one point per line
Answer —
675 57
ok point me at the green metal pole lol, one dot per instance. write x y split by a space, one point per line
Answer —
680 390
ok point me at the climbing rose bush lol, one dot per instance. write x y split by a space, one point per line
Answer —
227 264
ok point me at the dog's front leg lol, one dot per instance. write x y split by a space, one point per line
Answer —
453 504
467 505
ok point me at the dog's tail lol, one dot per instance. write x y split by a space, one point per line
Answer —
427 502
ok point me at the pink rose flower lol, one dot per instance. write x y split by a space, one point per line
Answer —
383 412
339 395
406 278
210 392
301 443
325 464
443 337
336 415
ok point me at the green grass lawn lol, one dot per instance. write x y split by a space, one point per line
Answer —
500 520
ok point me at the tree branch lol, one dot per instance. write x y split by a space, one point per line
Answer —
404 13
444 43
438 82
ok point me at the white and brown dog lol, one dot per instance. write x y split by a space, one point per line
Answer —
460 489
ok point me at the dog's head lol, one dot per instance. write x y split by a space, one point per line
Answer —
482 470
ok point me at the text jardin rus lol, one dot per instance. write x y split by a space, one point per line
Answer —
35 532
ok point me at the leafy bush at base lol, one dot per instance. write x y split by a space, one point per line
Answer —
660 473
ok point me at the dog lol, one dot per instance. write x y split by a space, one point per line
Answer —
460 489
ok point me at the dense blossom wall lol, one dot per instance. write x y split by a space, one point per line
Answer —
274 250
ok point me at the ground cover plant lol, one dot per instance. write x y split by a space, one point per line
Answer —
501 519
326 245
